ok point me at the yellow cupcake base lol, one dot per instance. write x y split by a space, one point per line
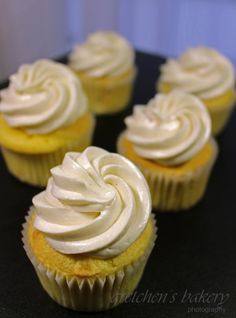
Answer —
108 94
35 169
19 140
220 108
84 283
32 165
174 188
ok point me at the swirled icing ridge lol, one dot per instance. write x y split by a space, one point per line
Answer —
43 97
104 53
201 71
171 129
96 202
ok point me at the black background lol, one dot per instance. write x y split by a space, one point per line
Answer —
195 250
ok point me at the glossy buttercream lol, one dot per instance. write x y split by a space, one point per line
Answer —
103 54
171 129
201 71
96 203
43 97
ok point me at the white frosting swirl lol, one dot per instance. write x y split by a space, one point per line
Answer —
96 202
104 53
200 71
43 97
171 129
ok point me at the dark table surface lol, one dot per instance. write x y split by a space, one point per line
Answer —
192 270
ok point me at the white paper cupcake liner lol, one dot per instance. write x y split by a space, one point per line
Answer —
109 97
220 117
89 294
173 193
176 194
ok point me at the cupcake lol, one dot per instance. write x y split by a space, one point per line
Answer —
105 66
43 114
169 139
90 233
208 75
